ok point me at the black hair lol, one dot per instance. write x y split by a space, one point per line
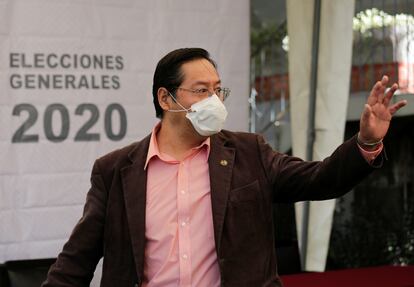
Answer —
168 73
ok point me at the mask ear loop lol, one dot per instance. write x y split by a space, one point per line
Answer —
178 111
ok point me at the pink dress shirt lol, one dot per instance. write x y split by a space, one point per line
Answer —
180 247
370 156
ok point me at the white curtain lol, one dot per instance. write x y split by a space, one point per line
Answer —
335 52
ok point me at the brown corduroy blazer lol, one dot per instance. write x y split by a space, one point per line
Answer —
246 177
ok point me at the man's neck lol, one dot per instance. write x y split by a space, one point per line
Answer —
175 141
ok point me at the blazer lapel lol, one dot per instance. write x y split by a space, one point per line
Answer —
134 183
221 161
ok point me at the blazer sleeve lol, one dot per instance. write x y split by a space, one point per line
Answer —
76 263
293 179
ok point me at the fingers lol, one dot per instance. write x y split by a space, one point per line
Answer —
384 82
366 113
378 94
375 92
394 108
389 94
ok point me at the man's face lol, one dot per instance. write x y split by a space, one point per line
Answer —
198 74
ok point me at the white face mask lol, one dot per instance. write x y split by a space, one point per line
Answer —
207 116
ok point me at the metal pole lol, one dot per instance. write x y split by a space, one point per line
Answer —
311 121
252 97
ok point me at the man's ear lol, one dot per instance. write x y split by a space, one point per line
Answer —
163 98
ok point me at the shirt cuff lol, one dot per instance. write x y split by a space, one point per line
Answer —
370 156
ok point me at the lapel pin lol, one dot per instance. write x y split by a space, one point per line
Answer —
223 162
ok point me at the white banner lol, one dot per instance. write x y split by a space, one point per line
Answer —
76 82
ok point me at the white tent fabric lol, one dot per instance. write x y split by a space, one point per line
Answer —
334 67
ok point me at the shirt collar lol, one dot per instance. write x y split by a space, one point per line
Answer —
153 150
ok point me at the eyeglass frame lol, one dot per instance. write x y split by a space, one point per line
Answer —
226 91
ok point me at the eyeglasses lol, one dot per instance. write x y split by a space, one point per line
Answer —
222 93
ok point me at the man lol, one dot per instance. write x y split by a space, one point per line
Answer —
190 205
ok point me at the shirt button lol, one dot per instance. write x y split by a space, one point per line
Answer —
183 223
185 256
183 191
